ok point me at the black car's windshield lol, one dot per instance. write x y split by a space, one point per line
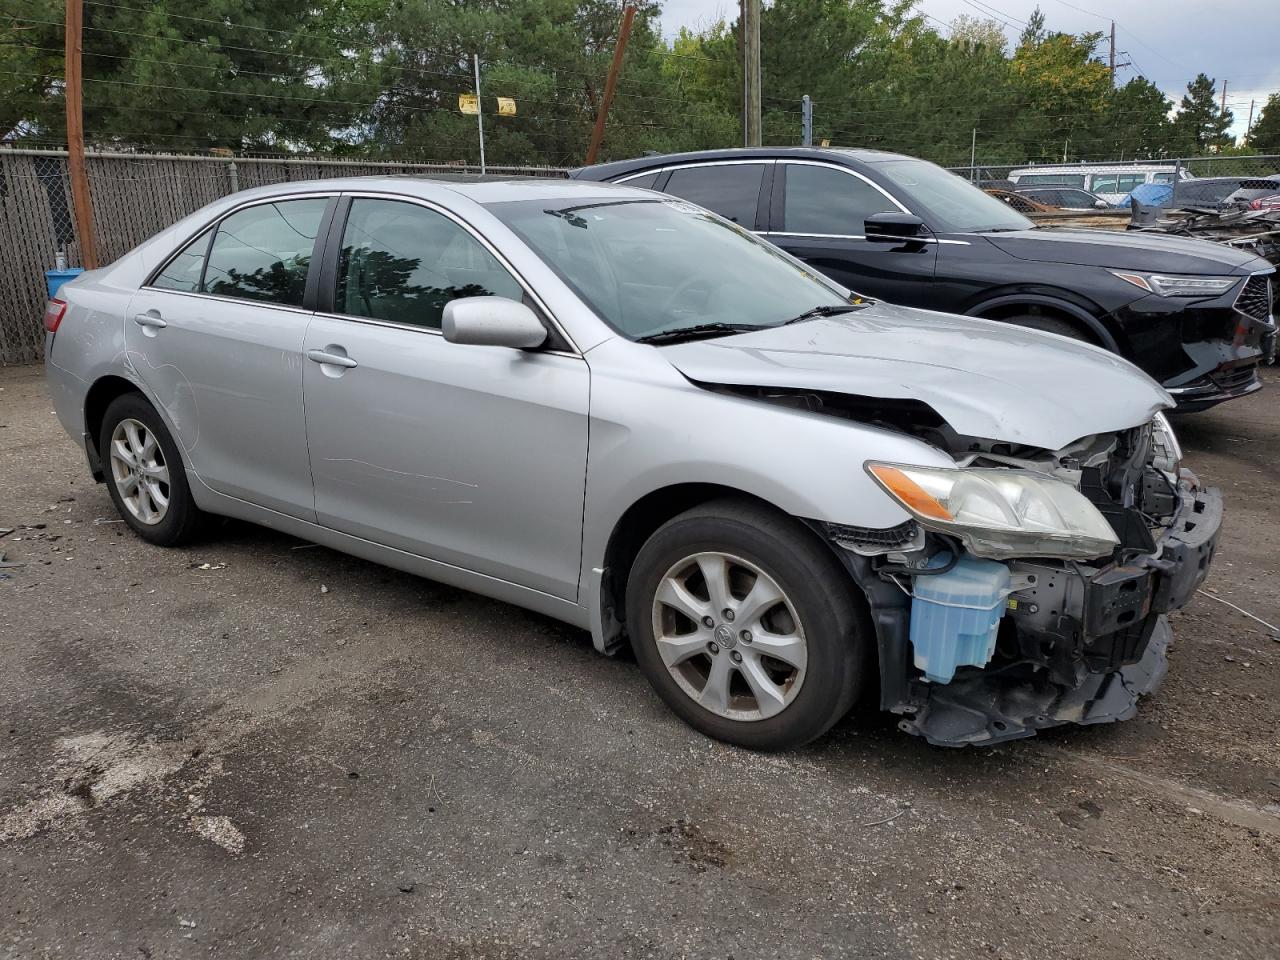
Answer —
949 204
647 267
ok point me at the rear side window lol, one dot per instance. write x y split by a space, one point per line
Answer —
827 200
729 189
402 263
263 252
647 181
1118 183
183 271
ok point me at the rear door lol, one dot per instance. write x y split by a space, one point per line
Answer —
817 214
473 456
216 336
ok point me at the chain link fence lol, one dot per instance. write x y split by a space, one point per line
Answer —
134 196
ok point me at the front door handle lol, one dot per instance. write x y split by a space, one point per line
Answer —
333 359
149 320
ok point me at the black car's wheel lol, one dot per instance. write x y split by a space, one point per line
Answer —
747 626
1063 328
144 473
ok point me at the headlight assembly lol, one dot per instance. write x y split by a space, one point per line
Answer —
1178 286
1000 513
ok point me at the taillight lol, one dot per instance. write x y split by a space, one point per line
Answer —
1255 205
53 313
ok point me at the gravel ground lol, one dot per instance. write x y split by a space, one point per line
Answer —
255 747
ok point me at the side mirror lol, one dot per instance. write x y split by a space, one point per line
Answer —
893 227
492 322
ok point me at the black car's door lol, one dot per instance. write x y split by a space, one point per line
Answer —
817 213
738 190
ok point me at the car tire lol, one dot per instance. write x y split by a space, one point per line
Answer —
145 475
1063 328
785 671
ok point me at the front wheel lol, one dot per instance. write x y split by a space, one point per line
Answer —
747 626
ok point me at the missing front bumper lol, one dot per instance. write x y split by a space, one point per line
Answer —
1082 652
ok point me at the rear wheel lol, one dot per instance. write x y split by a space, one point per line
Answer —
144 473
747 626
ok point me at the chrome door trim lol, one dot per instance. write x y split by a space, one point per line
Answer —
763 161
484 242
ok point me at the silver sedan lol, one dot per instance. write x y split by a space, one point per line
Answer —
622 411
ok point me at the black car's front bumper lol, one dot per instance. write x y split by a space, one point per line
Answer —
1206 351
1080 648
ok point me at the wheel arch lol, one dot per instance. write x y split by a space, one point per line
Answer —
634 527
1006 305
100 396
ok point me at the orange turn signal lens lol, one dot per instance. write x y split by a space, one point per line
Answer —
909 492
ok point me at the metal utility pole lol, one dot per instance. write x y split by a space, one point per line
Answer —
751 73
806 121
475 59
597 135
80 197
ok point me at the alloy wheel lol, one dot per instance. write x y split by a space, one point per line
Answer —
729 636
139 471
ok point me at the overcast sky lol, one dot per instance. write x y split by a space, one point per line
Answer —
1167 41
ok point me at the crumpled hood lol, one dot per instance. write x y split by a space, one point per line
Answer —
987 379
1125 250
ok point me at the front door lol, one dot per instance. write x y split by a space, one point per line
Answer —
217 338
820 220
472 456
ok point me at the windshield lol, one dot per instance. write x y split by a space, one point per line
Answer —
650 266
949 204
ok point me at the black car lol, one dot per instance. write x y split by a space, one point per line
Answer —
1196 315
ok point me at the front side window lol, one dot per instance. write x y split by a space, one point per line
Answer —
729 189
401 262
263 252
945 201
182 273
649 266
827 200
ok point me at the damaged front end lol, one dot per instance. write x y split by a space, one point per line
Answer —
979 643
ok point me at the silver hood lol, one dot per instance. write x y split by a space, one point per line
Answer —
986 379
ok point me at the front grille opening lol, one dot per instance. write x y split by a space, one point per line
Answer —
1255 298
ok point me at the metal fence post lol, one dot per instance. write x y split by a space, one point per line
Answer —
806 121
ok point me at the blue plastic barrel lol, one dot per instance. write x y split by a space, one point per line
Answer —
56 278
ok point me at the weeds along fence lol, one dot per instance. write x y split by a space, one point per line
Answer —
134 196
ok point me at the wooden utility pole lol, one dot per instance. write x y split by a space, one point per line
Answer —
597 135
1248 127
75 136
751 72
1224 96
1111 58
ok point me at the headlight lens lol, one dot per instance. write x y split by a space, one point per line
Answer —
1167 455
1178 286
1000 513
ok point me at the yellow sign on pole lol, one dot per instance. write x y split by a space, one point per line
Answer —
468 103
506 107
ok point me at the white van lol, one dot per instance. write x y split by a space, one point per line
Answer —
1111 182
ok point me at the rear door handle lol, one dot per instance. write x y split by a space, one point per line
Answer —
149 320
334 359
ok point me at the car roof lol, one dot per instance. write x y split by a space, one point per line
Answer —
605 171
480 189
